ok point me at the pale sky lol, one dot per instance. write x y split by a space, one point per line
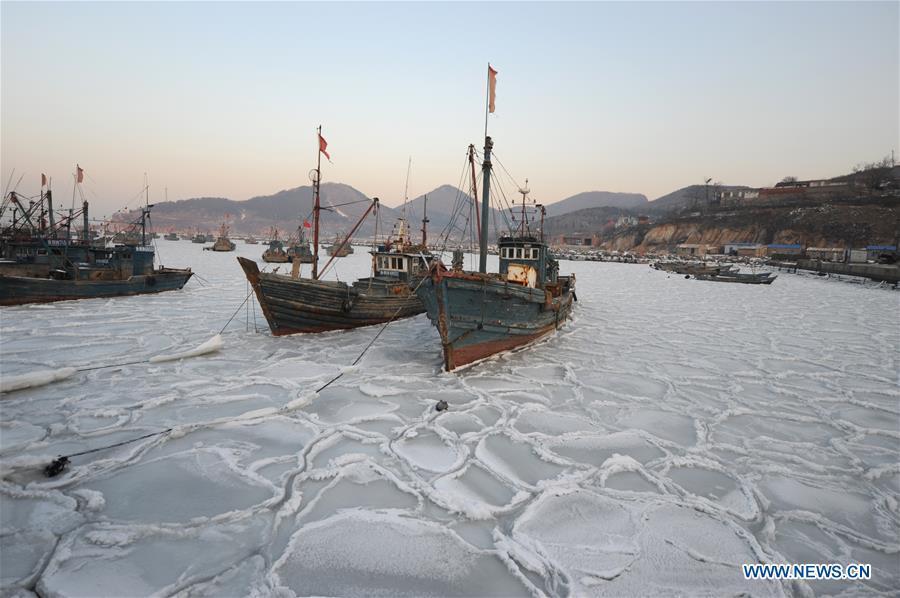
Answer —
222 99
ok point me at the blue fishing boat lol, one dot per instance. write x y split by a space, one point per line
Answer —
479 314
41 263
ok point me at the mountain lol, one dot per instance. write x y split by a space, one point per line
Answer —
580 221
286 210
598 199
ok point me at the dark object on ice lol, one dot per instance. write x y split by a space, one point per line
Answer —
57 467
41 262
687 275
739 277
441 406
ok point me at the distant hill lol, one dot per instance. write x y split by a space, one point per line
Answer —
686 197
443 203
598 199
580 221
285 210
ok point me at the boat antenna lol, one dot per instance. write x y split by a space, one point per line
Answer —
425 221
524 191
315 176
406 187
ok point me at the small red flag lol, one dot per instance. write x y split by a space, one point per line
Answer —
43 180
492 88
79 177
306 224
323 145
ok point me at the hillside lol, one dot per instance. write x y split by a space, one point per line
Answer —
692 196
285 210
835 224
598 199
579 221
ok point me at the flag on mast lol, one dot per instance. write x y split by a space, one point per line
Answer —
43 180
322 146
492 87
306 224
79 176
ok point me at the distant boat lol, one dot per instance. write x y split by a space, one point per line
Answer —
479 314
44 264
222 243
739 277
299 250
338 249
275 254
198 238
251 240
171 237
294 304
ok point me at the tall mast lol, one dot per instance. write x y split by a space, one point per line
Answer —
316 182
425 222
406 187
485 204
475 190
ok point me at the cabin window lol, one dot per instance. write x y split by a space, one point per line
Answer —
535 253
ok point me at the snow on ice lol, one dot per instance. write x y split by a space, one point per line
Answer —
673 431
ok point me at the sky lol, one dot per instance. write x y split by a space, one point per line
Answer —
223 98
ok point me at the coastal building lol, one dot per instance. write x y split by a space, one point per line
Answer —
733 247
752 250
881 252
828 254
696 250
784 250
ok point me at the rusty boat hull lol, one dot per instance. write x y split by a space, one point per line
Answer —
297 305
479 315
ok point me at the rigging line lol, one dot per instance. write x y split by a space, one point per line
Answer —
371 342
103 448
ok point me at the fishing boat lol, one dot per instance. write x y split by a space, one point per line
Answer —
275 254
479 314
222 243
294 304
338 249
251 240
40 263
199 237
299 250
740 277
171 237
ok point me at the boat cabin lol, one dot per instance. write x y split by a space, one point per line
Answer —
398 265
526 261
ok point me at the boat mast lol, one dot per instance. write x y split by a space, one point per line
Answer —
315 268
425 222
485 204
475 190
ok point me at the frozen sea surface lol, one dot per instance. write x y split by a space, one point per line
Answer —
672 431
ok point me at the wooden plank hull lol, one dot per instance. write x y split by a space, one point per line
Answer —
478 316
294 305
16 290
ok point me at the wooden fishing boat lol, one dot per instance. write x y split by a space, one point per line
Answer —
299 251
42 264
479 314
275 254
294 304
222 243
740 277
338 249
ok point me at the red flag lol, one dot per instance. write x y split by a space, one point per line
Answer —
492 88
323 145
79 177
306 224
43 180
